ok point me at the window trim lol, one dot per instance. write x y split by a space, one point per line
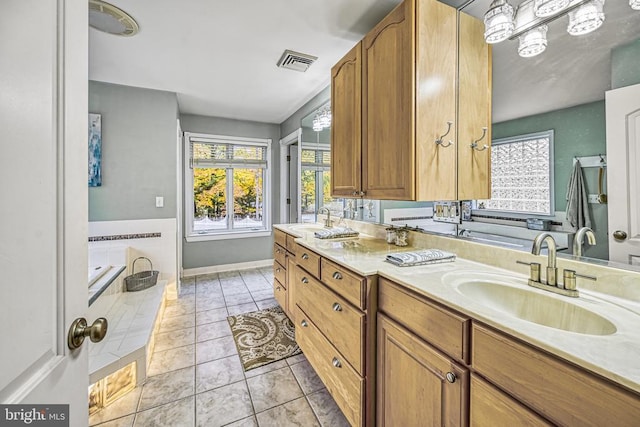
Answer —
226 234
516 214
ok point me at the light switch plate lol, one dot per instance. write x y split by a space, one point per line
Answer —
159 202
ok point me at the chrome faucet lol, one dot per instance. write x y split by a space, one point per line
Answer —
327 222
552 271
578 240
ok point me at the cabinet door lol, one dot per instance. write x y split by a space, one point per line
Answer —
346 128
388 113
474 113
413 389
436 56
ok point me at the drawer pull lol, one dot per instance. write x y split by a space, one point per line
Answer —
304 280
305 256
451 377
336 362
337 307
337 276
304 324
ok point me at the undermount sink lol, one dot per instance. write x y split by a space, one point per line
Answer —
307 228
532 306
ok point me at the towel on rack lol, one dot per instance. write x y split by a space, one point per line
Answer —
422 257
336 233
577 200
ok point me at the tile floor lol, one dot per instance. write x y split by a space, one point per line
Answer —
196 379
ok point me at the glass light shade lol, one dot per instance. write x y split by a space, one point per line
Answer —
587 18
498 22
316 125
533 42
635 4
544 8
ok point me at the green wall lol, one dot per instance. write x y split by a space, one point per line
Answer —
139 152
578 131
625 65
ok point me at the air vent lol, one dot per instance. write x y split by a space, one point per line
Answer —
110 19
296 61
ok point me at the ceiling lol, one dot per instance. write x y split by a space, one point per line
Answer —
220 56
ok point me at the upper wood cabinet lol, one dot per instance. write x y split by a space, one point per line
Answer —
346 133
409 97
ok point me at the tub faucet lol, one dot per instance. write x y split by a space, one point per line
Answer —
578 240
327 222
552 271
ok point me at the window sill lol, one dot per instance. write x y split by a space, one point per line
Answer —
227 236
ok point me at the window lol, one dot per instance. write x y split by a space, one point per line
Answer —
226 186
315 188
522 175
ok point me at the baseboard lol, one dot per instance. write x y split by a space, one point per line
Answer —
188 272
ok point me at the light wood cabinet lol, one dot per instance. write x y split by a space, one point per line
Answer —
346 133
336 329
556 390
417 384
410 91
282 260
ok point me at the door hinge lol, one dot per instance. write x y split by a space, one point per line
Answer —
288 158
288 201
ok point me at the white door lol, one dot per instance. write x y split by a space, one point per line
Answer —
623 178
43 202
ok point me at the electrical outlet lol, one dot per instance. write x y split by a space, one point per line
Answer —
159 202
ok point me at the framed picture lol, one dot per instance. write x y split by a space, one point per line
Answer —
95 150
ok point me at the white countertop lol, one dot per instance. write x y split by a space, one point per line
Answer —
615 356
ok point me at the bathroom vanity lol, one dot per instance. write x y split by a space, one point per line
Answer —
466 342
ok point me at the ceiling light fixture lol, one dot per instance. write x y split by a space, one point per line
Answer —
498 22
635 4
533 42
587 18
106 17
544 8
322 119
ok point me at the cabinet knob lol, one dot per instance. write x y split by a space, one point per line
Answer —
277 270
337 307
304 324
304 280
305 256
355 193
451 377
336 275
362 193
336 362
278 288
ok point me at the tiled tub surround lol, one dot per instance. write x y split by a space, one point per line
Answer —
612 356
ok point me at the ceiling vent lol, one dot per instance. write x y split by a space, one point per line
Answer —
296 61
110 19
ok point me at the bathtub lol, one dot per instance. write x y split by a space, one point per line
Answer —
95 273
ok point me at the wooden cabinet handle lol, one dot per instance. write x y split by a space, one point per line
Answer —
336 362
337 307
305 256
337 276
304 280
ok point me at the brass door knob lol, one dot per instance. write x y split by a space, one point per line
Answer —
79 331
619 235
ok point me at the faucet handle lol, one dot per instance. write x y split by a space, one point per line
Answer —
534 270
569 277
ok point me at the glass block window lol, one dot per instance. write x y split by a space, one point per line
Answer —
522 175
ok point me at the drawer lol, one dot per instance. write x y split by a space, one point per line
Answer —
562 393
308 260
349 285
443 328
339 322
341 380
491 407
280 294
280 254
291 244
280 237
280 273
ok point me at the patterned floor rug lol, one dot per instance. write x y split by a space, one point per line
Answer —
263 337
